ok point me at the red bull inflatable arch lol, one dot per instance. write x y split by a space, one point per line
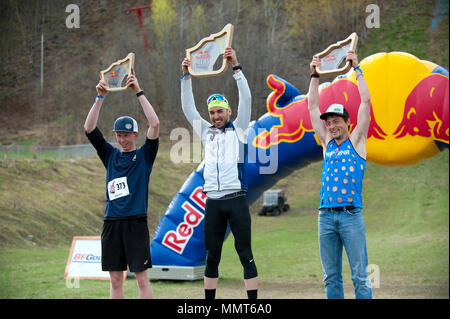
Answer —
409 123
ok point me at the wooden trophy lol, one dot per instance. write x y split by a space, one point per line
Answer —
333 56
116 72
203 56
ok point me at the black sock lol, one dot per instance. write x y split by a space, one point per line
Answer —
252 294
210 293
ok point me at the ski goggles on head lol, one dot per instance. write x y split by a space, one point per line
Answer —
217 100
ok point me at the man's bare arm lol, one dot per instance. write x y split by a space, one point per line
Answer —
150 114
359 134
313 104
91 120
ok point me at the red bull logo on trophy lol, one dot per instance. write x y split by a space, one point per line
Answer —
202 58
113 75
202 55
329 58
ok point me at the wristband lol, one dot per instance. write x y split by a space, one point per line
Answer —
358 68
184 74
98 97
237 67
141 92
315 75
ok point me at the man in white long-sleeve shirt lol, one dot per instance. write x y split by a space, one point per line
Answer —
223 173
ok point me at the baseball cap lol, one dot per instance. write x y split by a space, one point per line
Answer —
337 109
125 124
217 100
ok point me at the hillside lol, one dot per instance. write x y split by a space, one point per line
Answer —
46 202
283 35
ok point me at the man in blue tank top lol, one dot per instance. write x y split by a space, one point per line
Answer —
340 219
125 238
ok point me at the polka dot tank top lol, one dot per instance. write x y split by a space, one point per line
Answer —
342 175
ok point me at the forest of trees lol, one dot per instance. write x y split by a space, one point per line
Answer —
270 37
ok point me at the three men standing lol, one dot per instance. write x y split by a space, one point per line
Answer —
125 239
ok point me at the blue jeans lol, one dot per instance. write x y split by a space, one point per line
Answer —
337 230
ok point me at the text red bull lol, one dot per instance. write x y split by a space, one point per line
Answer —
178 239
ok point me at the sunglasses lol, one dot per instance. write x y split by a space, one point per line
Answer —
218 97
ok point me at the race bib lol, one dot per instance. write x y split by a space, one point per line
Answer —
118 188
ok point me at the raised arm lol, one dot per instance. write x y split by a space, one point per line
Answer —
245 97
150 114
359 134
91 120
313 104
188 103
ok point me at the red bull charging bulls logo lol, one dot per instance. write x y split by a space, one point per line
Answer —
424 112
294 117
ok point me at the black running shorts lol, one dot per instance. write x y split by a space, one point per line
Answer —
126 242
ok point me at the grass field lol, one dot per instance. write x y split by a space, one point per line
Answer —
406 215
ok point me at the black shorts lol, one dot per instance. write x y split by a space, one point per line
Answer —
126 242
